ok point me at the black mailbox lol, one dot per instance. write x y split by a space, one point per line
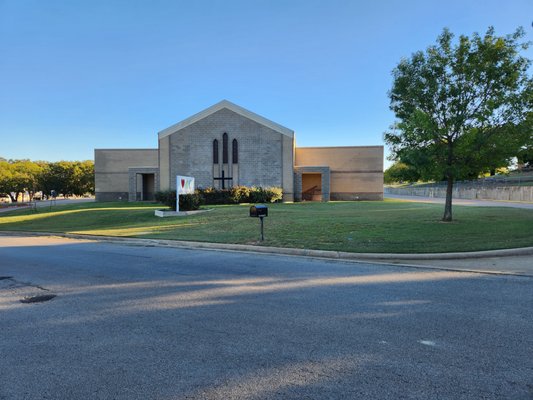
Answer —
259 210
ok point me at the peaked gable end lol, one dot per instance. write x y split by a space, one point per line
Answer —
232 107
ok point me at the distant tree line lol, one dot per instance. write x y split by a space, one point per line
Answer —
69 178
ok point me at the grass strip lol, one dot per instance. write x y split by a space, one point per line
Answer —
391 226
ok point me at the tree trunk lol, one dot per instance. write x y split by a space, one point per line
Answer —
448 205
13 198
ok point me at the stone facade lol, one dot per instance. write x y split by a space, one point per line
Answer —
266 153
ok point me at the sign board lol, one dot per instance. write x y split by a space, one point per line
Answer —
184 185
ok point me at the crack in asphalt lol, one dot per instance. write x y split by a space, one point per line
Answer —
37 299
14 284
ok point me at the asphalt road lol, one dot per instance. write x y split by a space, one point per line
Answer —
161 323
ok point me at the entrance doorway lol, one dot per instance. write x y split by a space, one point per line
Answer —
148 187
143 182
311 187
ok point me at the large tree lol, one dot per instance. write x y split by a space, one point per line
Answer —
462 107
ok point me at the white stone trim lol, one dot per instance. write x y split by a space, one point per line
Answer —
230 106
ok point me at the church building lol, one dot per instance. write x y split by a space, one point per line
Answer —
227 145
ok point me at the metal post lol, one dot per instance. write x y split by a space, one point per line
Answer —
262 236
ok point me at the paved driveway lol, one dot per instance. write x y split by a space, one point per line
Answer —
160 323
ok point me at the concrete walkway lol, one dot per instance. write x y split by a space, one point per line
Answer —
460 202
521 265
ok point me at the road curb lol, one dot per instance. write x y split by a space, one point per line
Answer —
337 255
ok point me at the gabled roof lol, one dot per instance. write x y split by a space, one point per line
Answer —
232 107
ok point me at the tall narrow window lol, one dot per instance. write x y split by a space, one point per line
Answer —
235 151
225 148
215 151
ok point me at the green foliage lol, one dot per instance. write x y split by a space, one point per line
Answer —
5 177
240 194
83 178
19 176
267 195
68 178
65 177
166 197
525 155
212 196
188 202
462 108
399 173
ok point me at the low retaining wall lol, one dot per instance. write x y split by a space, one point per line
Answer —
504 193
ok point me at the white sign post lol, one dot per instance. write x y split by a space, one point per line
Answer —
184 185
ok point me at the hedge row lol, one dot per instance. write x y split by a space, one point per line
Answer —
210 196
188 202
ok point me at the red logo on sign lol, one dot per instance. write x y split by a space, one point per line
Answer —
182 183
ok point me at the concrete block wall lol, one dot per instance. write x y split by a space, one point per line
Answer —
265 155
111 167
267 158
135 188
356 171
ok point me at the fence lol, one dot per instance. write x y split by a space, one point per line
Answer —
493 181
461 191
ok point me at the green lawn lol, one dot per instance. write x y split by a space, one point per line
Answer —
390 226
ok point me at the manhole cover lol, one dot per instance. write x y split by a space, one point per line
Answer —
37 299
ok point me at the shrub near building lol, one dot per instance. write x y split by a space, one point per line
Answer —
188 202
212 196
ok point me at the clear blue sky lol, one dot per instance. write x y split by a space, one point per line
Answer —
78 75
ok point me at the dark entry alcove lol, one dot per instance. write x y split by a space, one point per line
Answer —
148 187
